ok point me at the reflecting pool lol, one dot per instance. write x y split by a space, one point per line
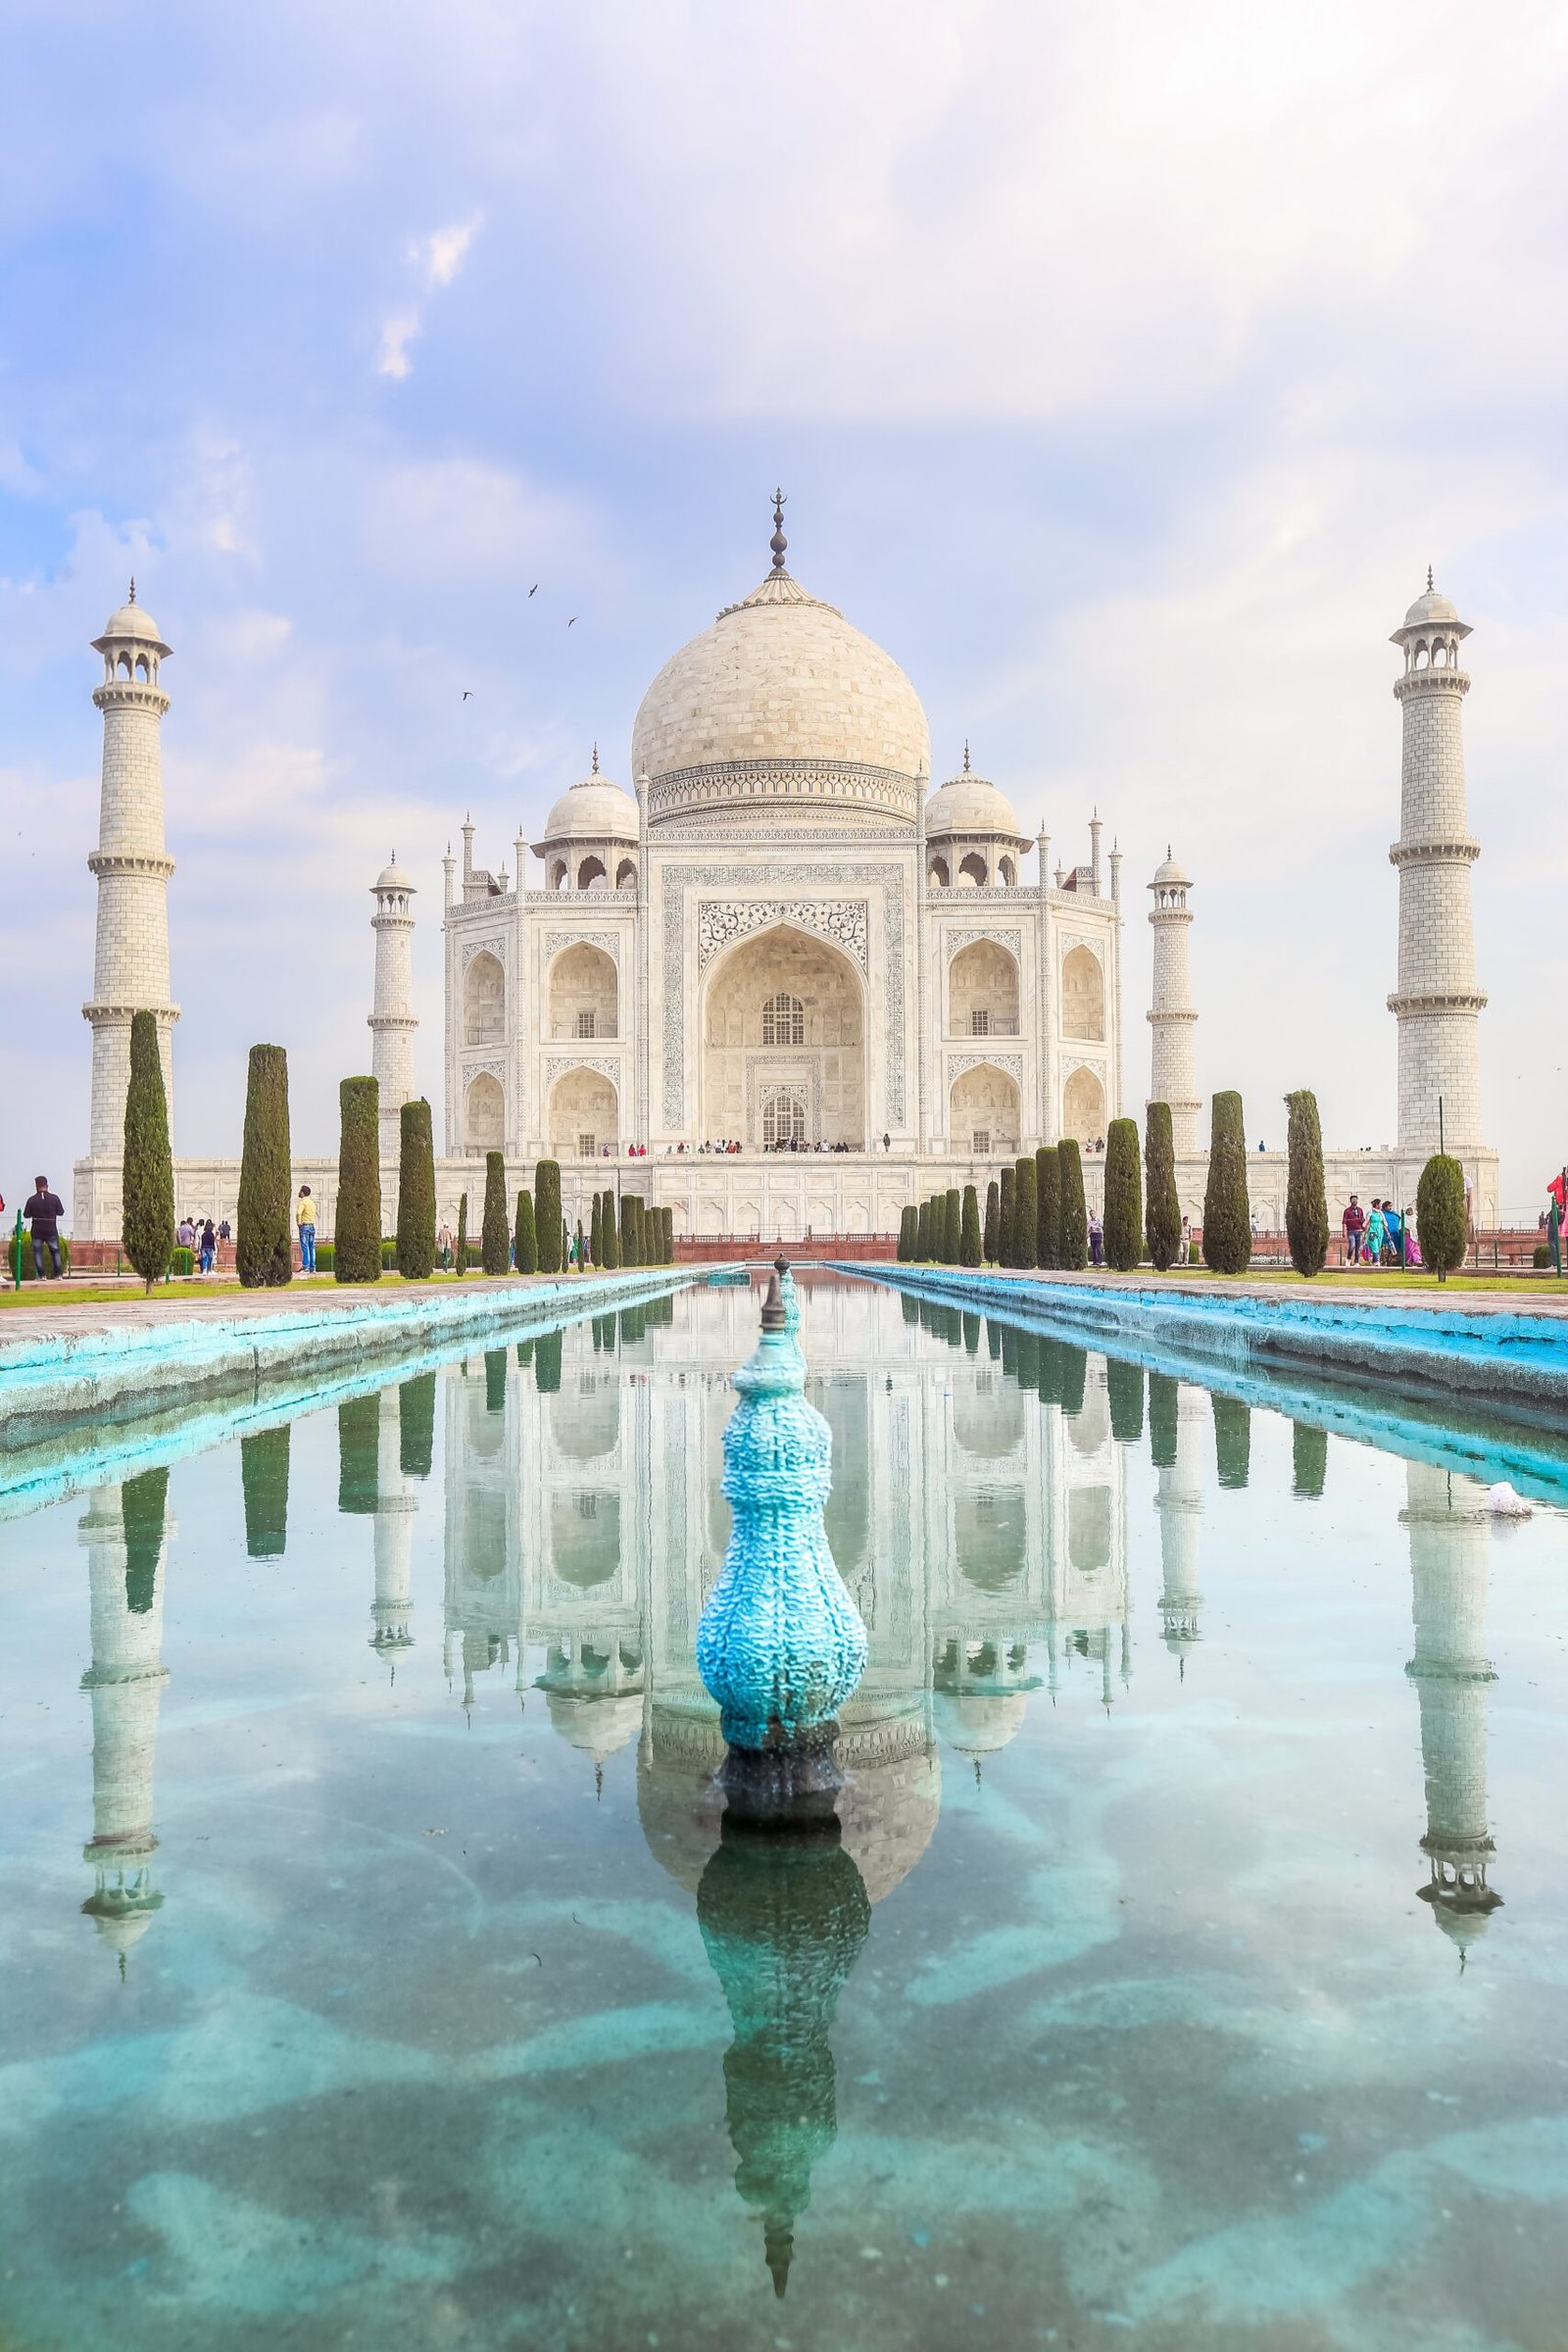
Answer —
1191 1963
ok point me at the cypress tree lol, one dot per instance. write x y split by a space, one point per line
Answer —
1072 1234
1124 1197
416 1425
1307 1206
147 1176
1439 1219
907 1222
525 1236
628 1234
1164 1210
1164 1401
581 1242
1005 1237
1025 1213
610 1232
356 1234
922 1233
547 1214
416 1192
991 1240
462 1252
495 1253
1309 1460
594 1228
1232 1440
1047 1206
952 1227
264 1481
639 1222
670 1239
969 1239
1124 1386
1227 1216
264 1227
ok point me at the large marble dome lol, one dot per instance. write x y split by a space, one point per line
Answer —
780 711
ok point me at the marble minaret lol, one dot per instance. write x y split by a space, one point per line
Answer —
1172 1018
393 1023
131 962
1437 1000
1450 1543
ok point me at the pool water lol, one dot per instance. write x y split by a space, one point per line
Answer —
1190 1965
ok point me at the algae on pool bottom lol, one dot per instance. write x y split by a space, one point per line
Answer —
380 1967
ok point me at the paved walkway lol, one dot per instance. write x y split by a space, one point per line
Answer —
1450 1298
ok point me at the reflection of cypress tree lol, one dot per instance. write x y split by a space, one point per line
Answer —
143 1504
633 1324
952 1326
993 1341
547 1364
1029 1360
525 1350
1124 1383
416 1426
358 1435
971 1334
659 1312
495 1380
1162 1405
263 1480
910 1305
1009 1351
783 1916
1074 1372
1052 1377
1232 1441
1310 1455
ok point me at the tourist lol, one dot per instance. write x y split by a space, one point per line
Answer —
209 1247
43 1213
1394 1227
1353 1222
223 1233
1097 1239
1376 1234
185 1234
446 1240
305 1219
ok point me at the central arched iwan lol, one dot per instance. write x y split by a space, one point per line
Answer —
754 1038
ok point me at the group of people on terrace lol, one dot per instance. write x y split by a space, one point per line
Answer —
1377 1237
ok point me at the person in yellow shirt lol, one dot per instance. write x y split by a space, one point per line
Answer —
305 1219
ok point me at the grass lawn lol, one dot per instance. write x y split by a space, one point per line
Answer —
183 1288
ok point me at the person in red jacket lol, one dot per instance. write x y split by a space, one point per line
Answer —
1354 1224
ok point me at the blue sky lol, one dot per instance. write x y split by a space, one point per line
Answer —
1125 368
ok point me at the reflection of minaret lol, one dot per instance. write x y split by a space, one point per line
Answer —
125 1531
395 1506
1449 1542
1180 1505
783 1917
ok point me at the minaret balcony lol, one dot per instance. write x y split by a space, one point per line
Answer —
1455 851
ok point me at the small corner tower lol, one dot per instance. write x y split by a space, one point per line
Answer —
392 1024
1437 1000
1172 1076
131 961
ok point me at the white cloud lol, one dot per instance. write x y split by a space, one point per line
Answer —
441 255
396 333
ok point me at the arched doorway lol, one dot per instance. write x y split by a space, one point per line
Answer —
783 1022
485 1000
584 1115
983 992
484 1115
984 1113
583 993
1083 995
1083 1107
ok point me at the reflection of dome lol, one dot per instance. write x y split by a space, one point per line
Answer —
598 1727
593 811
967 804
977 1723
781 699
888 1805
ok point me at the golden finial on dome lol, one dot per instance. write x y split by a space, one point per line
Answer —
778 542
596 758
1429 580
966 755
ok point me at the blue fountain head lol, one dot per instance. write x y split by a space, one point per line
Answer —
780 1646
790 1295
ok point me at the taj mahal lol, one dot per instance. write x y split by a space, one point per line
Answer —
805 983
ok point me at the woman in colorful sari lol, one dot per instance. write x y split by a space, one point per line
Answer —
1377 1233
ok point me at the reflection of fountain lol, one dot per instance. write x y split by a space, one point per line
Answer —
1449 1544
783 1913
125 1531
1179 1501
780 1645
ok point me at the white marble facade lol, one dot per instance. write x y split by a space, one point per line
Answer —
780 935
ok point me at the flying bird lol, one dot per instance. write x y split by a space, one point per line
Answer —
467 694
534 590
573 622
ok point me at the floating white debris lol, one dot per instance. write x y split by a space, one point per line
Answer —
1505 1503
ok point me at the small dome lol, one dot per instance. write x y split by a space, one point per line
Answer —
1172 875
968 804
977 1723
593 811
392 876
1433 606
131 624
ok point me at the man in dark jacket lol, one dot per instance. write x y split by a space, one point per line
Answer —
43 1213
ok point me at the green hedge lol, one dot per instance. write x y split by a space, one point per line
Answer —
28 1274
